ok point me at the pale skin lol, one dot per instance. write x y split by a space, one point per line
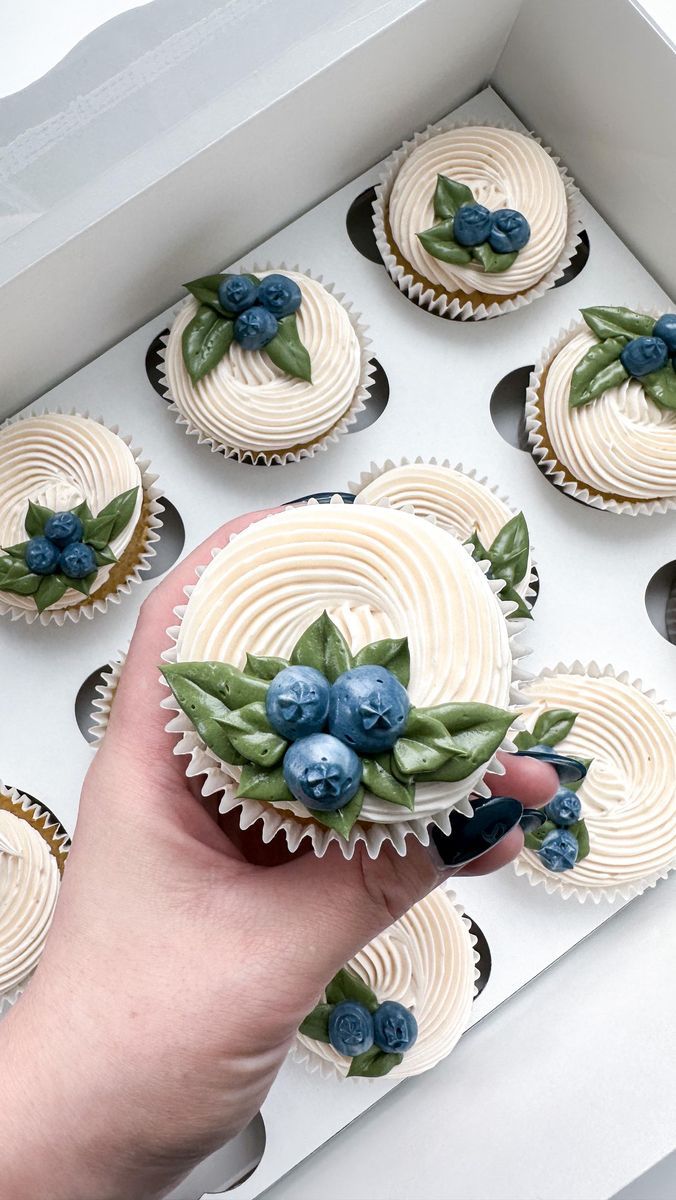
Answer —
182 957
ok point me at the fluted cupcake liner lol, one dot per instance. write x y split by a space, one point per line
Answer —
104 696
527 588
559 474
293 820
433 297
527 864
150 519
282 457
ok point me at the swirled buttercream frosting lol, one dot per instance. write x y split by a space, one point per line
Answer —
249 404
504 169
424 961
58 460
29 886
628 797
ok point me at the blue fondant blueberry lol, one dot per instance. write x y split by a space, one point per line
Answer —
471 225
63 528
255 327
665 329
237 293
395 1027
559 850
350 1028
509 231
280 295
297 702
322 772
41 556
368 708
644 354
77 560
564 808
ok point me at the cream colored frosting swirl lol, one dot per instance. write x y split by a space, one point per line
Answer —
248 403
425 961
29 886
380 573
459 503
59 460
628 797
621 444
504 169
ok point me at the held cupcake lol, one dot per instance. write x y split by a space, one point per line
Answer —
475 220
79 513
610 831
601 410
267 368
33 850
321 678
468 508
401 1004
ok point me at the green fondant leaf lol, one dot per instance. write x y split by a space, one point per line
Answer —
83 586
522 609
525 740
249 731
598 357
392 653
479 551
373 1064
259 784
105 557
50 589
579 830
97 532
18 551
288 352
205 341
611 376
661 387
449 195
347 985
120 511
492 262
617 322
342 819
323 646
553 725
206 291
477 731
15 577
378 779
232 687
206 713
534 839
36 519
426 745
509 551
83 511
438 241
316 1024
264 668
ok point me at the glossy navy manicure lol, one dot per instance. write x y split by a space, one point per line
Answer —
532 819
569 770
322 498
471 837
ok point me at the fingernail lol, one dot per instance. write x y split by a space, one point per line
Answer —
532 819
471 837
321 498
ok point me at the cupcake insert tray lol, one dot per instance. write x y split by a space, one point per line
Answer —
449 397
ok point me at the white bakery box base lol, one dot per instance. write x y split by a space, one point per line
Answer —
446 389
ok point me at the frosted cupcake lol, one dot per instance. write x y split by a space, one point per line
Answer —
33 849
401 1004
475 220
267 368
78 516
322 678
601 410
610 831
465 506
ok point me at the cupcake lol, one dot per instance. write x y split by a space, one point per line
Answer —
33 850
322 682
465 506
78 516
266 368
401 1004
601 410
475 220
610 831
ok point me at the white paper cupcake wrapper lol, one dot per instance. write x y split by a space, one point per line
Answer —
60 843
529 591
562 476
282 457
433 298
561 883
105 693
221 777
152 507
315 1064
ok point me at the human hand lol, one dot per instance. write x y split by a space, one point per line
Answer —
183 955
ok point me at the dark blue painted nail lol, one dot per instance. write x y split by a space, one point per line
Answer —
323 498
569 770
470 837
532 819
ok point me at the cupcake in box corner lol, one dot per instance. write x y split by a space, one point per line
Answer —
78 515
475 220
267 368
601 410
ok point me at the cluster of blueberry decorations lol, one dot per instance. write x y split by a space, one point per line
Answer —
373 1036
64 549
256 314
630 345
327 725
557 834
469 232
